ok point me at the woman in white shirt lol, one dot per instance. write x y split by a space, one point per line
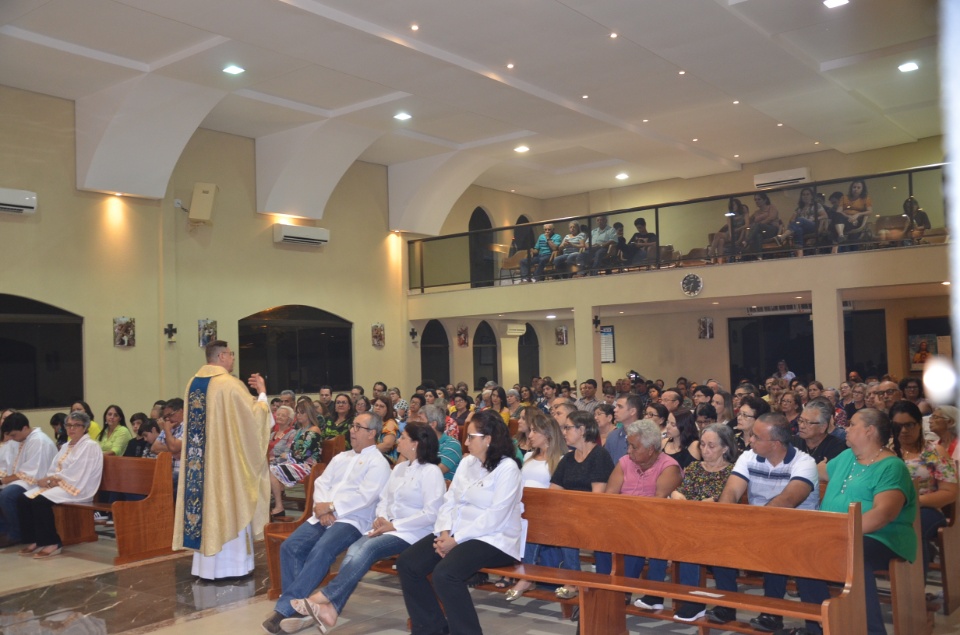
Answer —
73 477
406 513
546 439
478 526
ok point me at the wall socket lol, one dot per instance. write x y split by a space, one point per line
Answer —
178 203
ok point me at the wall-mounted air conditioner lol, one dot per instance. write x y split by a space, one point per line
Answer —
516 329
300 235
779 179
790 309
17 201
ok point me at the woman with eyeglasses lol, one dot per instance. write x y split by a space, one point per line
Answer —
478 526
73 477
585 468
339 423
912 390
790 408
858 396
931 469
303 453
657 413
387 440
943 423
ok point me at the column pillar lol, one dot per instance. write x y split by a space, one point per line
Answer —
828 345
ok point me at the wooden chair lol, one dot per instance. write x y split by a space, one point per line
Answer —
948 541
275 533
696 257
511 266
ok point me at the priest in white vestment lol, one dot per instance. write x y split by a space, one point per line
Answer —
223 496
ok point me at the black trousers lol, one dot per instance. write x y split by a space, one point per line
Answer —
36 521
450 576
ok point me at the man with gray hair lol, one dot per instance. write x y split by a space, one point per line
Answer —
288 398
345 499
814 436
450 450
772 473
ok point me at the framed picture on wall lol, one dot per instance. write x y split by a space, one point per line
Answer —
561 333
377 335
463 337
206 332
124 332
705 328
926 338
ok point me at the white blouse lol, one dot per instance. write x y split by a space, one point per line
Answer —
482 505
33 458
411 499
535 473
79 468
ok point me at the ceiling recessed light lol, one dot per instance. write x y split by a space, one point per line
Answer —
799 297
613 36
118 193
682 73
945 283
500 315
586 96
779 125
907 67
696 139
736 156
736 101
233 69
414 27
833 4
510 65
816 143
513 190
521 149
716 303
621 312
622 176
646 121
551 317
401 116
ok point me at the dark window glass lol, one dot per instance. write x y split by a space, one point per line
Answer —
41 364
484 356
528 352
758 343
865 342
298 348
435 354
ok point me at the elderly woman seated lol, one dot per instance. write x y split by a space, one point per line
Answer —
73 477
644 471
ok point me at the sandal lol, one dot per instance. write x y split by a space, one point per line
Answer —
503 583
566 592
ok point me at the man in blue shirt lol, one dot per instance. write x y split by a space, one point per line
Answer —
601 238
547 243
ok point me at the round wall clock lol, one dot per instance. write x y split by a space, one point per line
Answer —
691 285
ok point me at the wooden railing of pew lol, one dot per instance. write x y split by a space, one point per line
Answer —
819 545
144 528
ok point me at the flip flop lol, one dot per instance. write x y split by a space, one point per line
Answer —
306 607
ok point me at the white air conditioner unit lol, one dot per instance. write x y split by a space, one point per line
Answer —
300 235
17 201
516 329
790 309
779 179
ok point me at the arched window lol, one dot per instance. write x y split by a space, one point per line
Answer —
484 356
435 354
528 353
297 347
41 354
481 250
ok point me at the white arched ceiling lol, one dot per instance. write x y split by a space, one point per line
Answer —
131 135
298 169
422 192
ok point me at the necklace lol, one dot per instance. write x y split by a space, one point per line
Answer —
863 468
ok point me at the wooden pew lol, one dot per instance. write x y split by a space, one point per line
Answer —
674 530
144 528
948 541
275 533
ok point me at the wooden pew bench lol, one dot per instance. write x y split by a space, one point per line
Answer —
792 542
144 528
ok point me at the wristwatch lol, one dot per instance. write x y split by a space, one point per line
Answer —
332 509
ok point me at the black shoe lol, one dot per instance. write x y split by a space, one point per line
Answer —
793 631
690 612
271 625
477 579
767 622
721 614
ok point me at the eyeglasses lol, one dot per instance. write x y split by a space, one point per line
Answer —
357 426
475 435
744 415
73 425
910 425
889 392
565 428
807 422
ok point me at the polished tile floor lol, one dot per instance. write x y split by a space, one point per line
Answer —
81 593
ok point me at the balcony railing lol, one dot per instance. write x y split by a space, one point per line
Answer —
686 234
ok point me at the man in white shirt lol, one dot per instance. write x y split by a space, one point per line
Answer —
344 506
601 238
33 458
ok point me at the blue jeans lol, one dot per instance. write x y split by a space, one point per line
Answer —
545 555
539 261
632 566
931 520
800 227
775 586
360 557
562 262
305 559
9 518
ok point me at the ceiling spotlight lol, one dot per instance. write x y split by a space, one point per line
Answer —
816 143
945 283
621 312
736 156
907 67
833 4
622 176
716 303
586 96
779 125
233 69
613 36
118 193
798 297
695 140
646 121
521 149
510 65
401 116
513 190
414 27
682 73
551 317
736 101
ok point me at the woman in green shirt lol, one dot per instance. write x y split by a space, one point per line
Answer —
870 474
115 436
